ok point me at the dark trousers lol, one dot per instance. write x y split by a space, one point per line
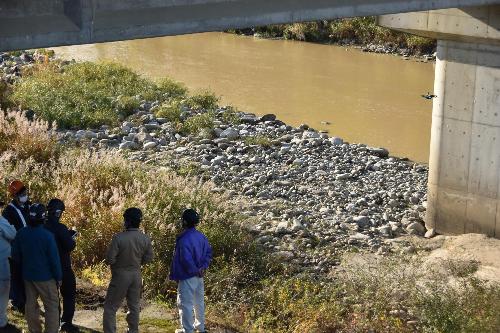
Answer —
68 293
17 293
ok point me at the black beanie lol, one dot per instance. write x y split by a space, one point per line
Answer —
191 217
38 213
133 216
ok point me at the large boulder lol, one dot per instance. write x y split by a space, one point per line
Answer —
380 152
310 135
362 221
416 228
128 145
230 133
268 117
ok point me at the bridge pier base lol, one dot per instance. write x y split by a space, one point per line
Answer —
464 162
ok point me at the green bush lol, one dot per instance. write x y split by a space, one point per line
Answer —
194 125
126 105
83 94
205 100
170 111
311 31
230 116
172 89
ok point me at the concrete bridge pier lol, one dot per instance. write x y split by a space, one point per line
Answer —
464 164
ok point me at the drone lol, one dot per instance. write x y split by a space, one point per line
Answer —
429 96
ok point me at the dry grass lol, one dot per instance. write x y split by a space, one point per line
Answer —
98 186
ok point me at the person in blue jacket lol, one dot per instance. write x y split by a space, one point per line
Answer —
66 242
35 250
192 256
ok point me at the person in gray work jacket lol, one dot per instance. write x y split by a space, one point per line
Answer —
129 250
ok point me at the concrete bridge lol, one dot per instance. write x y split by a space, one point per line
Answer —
464 179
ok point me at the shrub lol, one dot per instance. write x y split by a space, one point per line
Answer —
203 101
311 31
26 139
384 295
230 116
172 89
170 111
82 94
194 125
126 105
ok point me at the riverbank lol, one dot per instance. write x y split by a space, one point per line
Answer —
361 32
310 233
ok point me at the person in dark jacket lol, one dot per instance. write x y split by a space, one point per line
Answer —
66 242
17 213
192 256
35 249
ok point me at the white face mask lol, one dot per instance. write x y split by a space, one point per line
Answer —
23 199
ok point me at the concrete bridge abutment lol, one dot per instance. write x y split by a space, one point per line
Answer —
464 163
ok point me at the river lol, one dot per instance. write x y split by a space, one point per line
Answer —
361 97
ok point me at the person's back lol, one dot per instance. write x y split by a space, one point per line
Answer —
66 243
35 249
192 256
129 250
39 256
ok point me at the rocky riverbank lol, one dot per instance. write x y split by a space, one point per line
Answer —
307 196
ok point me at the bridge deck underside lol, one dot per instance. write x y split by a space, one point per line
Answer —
45 23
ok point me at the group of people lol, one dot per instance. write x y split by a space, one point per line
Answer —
35 262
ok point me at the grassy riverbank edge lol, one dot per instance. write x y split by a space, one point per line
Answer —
362 32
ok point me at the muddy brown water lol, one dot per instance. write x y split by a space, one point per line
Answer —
361 97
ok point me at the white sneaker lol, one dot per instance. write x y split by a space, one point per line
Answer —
179 330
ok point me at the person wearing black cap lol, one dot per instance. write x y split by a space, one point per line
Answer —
192 256
66 242
35 249
129 250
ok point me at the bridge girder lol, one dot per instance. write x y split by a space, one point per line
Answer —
45 23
